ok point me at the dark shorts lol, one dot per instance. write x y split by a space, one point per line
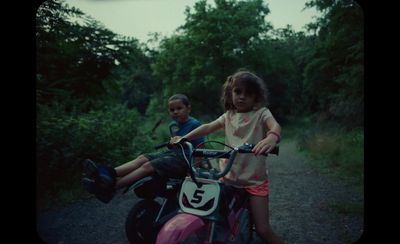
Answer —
170 164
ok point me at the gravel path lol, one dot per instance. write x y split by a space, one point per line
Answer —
305 207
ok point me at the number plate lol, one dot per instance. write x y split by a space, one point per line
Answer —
200 201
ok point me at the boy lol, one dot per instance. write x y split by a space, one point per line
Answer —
103 181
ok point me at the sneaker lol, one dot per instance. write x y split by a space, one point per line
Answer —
102 194
90 168
103 175
88 185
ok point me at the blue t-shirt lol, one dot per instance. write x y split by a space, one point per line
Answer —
181 129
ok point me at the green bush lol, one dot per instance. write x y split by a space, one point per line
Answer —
112 135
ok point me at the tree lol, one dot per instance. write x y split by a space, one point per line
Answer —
133 76
72 60
334 78
280 59
212 44
79 60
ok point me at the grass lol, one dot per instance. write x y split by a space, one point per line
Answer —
332 149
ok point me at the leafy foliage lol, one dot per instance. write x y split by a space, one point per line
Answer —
112 135
334 79
212 44
280 59
76 61
72 59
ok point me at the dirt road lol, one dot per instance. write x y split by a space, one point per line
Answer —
306 207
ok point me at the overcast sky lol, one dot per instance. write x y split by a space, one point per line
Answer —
138 18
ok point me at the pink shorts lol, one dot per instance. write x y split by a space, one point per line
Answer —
258 190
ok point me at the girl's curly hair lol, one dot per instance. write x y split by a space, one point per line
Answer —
253 84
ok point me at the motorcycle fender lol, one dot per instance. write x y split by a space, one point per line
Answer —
178 228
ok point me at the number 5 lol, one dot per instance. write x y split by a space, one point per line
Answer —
197 196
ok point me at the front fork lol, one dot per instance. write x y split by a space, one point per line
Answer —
211 232
164 203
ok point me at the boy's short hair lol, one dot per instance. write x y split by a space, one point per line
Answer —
182 97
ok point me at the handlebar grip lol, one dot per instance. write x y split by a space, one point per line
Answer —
247 148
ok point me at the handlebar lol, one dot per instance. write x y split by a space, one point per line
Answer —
245 148
212 153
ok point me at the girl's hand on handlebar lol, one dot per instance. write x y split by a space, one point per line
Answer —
264 146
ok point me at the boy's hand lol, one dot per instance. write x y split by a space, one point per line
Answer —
175 140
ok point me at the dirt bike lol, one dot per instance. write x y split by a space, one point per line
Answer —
146 217
209 210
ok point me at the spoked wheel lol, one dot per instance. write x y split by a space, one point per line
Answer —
139 223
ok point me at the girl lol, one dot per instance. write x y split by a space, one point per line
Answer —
103 181
246 119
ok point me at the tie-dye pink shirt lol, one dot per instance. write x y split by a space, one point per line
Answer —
250 127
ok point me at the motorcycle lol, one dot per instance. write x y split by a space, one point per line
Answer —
210 211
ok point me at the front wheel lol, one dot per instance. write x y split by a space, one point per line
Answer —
196 237
139 223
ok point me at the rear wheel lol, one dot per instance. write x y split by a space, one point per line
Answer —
139 223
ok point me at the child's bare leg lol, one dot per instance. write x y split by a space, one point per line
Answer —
260 214
140 172
130 166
